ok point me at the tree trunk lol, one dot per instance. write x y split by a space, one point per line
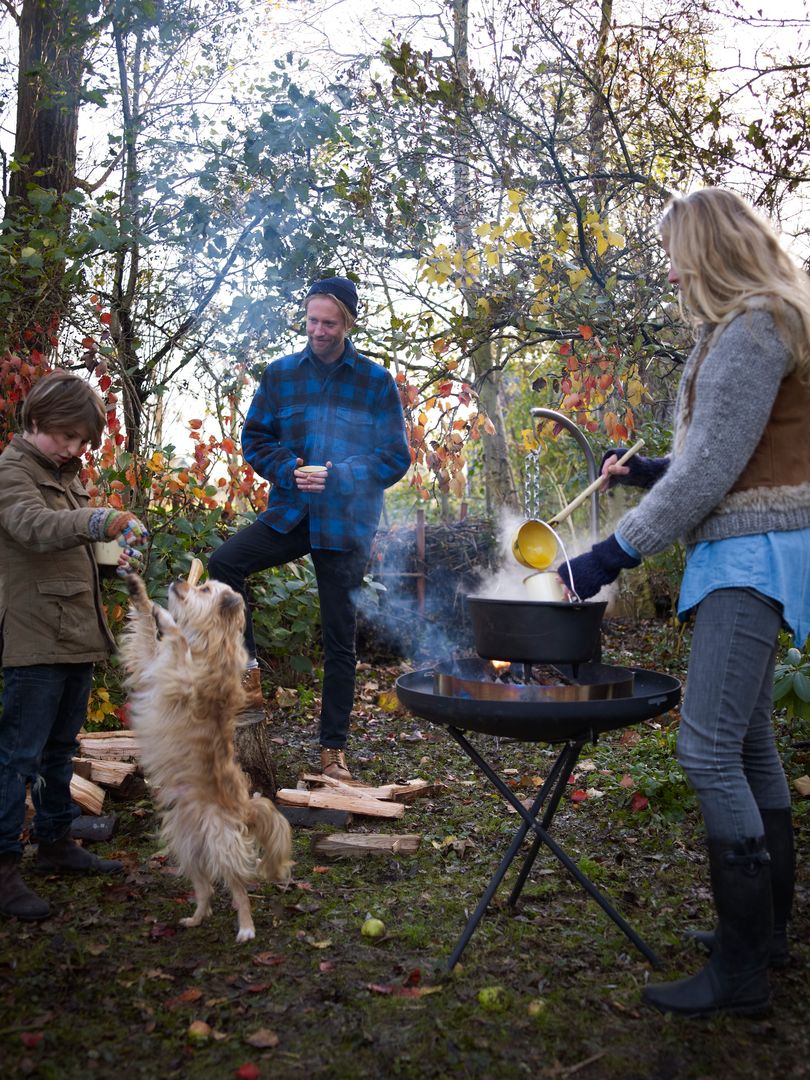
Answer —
499 485
51 52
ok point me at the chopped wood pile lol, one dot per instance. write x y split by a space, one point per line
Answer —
108 761
320 794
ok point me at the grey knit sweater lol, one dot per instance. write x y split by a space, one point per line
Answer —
734 392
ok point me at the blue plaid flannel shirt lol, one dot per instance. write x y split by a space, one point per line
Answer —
353 418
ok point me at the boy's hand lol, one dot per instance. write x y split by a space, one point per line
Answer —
122 525
130 562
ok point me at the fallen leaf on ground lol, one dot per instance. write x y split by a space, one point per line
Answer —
263 1039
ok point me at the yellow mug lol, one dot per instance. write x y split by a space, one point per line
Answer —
535 545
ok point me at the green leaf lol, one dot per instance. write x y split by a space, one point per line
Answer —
801 686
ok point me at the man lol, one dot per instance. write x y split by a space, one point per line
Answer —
325 406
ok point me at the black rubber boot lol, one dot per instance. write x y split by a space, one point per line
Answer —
16 899
779 839
65 856
735 979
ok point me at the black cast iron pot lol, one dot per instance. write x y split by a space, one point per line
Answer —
551 633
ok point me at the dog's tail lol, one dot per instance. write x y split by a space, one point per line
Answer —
271 830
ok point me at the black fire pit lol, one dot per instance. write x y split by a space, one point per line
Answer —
522 712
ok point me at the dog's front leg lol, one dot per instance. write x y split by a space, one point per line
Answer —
149 621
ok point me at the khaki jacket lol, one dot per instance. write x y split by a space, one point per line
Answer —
50 599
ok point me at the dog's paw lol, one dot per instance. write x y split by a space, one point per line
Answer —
135 584
246 933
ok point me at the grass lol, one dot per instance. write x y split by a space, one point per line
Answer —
109 986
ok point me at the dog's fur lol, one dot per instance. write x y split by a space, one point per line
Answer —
184 678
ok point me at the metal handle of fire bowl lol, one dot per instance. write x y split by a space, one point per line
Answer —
564 421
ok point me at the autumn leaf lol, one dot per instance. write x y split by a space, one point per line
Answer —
266 959
263 1039
579 795
188 997
639 802
31 1039
286 697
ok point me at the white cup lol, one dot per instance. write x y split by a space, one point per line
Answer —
544 587
107 552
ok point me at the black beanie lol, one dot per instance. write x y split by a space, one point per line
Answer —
339 287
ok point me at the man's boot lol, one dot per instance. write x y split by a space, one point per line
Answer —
16 899
252 685
333 764
65 856
779 839
735 979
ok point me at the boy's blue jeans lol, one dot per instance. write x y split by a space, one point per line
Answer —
44 706
726 740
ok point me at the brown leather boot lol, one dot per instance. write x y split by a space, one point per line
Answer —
16 899
252 685
65 856
333 764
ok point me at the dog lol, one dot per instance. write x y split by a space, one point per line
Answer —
184 671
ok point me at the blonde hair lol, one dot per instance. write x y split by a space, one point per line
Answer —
61 401
729 259
348 319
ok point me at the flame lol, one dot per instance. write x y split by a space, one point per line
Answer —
501 665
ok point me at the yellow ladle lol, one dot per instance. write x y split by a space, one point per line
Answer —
535 543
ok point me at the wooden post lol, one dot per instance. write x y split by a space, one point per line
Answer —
420 561
463 512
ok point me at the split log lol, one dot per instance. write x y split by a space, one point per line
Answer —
88 828
390 792
356 845
305 817
333 800
110 746
251 744
89 796
108 773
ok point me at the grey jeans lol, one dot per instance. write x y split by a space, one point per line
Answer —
726 741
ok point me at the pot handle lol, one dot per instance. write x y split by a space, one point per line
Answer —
573 596
592 487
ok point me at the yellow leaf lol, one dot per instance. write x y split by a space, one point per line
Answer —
546 262
515 198
615 239
491 257
601 244
522 239
576 277
388 701
286 697
482 305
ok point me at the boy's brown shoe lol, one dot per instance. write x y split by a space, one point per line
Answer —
333 764
252 685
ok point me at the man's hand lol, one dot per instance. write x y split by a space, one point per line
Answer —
122 525
311 479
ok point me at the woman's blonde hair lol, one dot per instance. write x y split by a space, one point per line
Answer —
729 259
348 319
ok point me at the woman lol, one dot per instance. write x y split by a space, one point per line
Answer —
736 488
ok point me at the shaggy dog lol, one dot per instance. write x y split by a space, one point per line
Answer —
184 678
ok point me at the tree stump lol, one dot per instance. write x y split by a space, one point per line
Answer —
251 743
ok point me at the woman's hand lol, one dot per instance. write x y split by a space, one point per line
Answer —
596 568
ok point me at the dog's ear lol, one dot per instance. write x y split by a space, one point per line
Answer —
230 600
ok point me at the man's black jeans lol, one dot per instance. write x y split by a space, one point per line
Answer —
339 575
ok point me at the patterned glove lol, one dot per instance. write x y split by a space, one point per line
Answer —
596 568
130 561
121 524
644 471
